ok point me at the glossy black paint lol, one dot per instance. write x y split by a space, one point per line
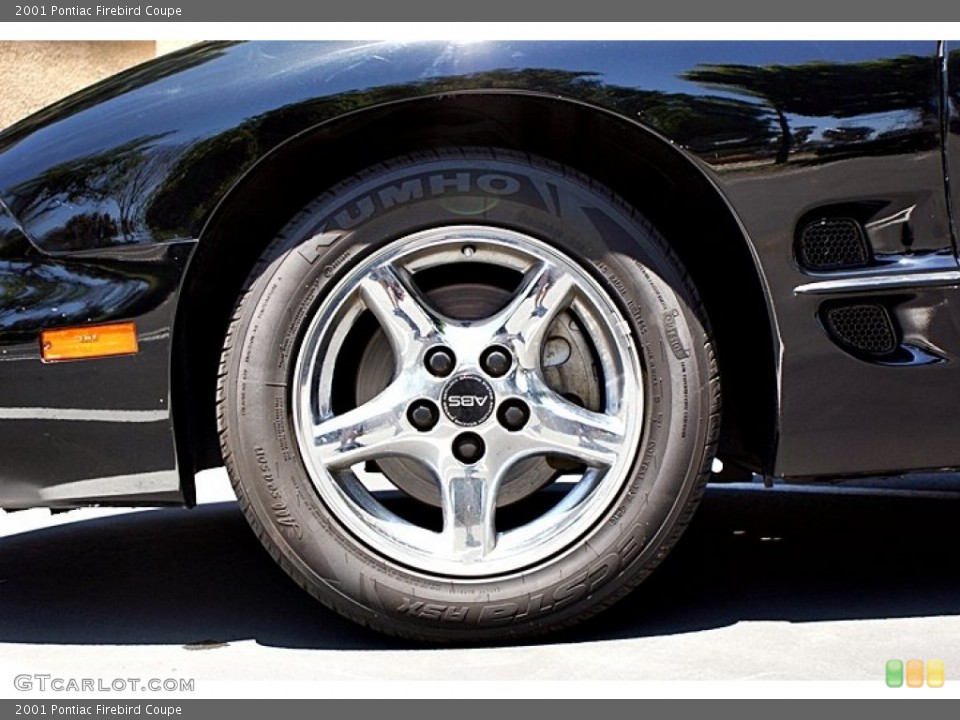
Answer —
115 186
92 431
952 124
145 157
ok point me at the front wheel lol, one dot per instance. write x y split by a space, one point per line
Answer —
468 395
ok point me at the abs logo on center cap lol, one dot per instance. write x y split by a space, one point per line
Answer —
468 400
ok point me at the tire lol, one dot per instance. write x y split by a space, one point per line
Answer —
468 396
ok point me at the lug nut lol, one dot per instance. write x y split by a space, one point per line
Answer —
513 414
495 361
440 361
468 448
423 415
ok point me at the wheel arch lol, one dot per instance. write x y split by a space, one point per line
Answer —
650 173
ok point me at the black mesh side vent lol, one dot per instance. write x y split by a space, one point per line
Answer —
865 328
832 244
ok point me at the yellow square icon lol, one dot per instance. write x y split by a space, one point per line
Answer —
935 673
914 673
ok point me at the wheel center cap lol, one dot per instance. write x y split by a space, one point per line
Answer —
468 400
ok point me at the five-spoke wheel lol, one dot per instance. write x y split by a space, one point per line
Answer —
468 400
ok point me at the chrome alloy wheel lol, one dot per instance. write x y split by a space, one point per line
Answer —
468 401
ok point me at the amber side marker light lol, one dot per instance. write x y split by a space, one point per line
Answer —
89 341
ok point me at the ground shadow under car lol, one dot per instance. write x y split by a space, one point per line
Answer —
192 576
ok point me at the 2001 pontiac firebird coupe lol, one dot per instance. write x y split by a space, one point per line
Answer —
457 317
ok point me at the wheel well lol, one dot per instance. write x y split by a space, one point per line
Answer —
644 169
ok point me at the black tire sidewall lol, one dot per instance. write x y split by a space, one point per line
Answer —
562 209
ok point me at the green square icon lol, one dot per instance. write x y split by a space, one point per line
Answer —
894 673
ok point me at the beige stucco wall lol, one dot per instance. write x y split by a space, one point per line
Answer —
36 74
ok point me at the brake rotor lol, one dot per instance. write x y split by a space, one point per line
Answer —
568 367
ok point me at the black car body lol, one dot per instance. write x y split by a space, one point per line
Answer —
805 187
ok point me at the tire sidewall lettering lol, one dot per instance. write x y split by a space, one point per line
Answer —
629 534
